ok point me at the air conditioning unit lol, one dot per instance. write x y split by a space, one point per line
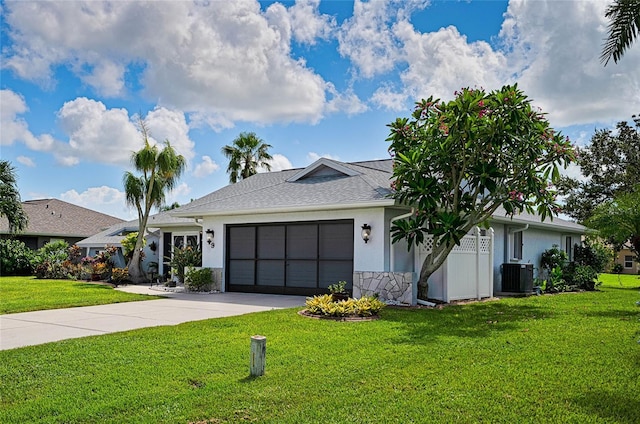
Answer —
517 278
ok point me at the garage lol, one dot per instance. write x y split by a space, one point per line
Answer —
301 258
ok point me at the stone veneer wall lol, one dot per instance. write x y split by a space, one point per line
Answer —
394 286
217 279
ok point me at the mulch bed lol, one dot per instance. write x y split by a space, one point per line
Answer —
354 318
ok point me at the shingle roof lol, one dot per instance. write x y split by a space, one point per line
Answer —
319 190
273 191
113 235
53 217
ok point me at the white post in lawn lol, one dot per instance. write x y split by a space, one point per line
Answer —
258 355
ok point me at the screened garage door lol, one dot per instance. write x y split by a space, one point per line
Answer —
292 258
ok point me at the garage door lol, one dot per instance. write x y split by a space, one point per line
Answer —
289 258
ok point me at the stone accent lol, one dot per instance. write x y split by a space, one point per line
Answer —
217 279
389 286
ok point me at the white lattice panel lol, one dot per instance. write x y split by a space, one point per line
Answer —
485 244
467 245
427 246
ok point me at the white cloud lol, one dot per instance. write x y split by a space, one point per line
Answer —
443 61
110 136
178 194
225 61
555 47
388 98
26 161
347 102
278 163
313 156
207 167
15 128
308 24
103 199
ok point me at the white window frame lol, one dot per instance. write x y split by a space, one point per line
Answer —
516 238
628 263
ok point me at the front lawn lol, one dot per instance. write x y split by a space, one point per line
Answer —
571 357
23 294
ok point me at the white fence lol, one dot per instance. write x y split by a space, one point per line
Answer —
467 273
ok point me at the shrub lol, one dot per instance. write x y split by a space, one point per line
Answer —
552 258
582 276
198 279
592 254
52 260
15 258
363 307
118 275
183 258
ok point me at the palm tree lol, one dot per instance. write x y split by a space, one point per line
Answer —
246 153
624 25
161 170
10 204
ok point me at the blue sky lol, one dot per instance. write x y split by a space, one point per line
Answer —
312 78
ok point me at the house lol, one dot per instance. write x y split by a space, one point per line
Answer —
175 232
298 231
53 220
628 260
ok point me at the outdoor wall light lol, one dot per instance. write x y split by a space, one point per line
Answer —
210 235
153 246
366 232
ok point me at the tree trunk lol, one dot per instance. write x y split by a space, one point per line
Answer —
136 274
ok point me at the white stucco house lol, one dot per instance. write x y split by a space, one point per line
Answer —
298 231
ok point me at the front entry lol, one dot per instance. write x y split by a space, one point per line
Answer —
301 258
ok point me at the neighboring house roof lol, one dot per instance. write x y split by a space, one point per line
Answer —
325 184
55 218
113 235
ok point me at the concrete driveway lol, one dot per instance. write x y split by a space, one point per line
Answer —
33 328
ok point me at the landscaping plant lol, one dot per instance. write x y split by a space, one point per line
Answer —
15 258
456 162
198 279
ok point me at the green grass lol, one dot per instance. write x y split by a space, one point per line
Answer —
24 294
571 358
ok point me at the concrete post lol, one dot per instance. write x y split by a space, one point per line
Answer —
258 355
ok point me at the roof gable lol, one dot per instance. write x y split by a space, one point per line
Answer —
323 167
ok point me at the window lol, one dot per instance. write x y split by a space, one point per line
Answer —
628 261
517 245
568 247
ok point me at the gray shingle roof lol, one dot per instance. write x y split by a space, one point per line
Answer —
325 189
53 217
273 191
113 235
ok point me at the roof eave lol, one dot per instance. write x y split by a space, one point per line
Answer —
285 209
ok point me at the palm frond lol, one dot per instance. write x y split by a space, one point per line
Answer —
624 24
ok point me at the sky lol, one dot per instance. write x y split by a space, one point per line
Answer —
312 78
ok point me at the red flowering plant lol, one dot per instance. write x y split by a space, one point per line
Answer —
456 162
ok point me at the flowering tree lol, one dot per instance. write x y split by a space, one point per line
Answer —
455 163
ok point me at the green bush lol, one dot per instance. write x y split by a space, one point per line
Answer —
53 261
183 258
583 277
198 279
15 258
592 254
552 258
363 307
